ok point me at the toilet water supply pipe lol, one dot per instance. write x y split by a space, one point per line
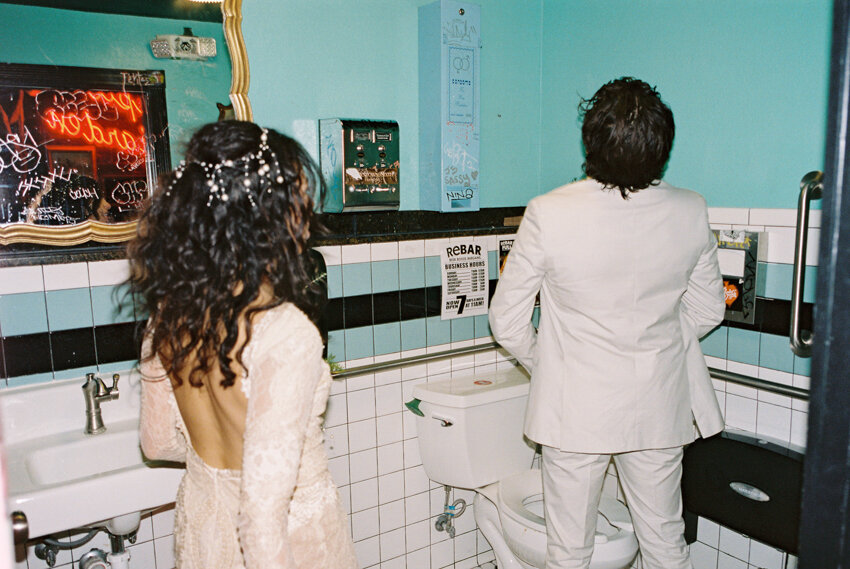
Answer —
450 512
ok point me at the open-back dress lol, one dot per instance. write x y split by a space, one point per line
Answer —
282 509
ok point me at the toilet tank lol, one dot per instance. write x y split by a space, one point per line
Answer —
470 428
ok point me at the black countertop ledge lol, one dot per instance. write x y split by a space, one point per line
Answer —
342 229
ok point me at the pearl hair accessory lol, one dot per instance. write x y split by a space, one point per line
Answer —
263 162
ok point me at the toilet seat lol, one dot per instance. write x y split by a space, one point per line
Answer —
517 492
520 506
521 497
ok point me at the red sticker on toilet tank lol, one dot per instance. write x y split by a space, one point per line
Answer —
483 382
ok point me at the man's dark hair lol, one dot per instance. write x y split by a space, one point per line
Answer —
627 132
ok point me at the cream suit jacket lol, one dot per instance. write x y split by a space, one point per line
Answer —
627 288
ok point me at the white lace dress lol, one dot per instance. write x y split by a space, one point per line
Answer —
282 510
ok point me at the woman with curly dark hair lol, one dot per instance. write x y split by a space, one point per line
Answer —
233 378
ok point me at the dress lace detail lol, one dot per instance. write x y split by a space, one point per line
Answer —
261 324
282 509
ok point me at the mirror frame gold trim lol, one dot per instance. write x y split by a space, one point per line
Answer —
67 235
231 11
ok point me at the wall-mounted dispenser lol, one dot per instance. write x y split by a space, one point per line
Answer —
747 483
449 110
738 253
359 160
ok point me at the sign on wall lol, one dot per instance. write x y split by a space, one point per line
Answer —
465 282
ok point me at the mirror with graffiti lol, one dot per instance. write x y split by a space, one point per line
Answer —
80 149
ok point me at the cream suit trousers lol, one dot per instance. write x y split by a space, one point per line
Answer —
651 480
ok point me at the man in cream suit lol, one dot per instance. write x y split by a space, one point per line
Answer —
626 267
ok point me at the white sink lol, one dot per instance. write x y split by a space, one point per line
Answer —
63 479
64 459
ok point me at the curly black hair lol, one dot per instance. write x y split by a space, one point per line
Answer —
627 131
198 264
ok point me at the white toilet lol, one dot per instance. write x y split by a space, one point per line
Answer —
470 436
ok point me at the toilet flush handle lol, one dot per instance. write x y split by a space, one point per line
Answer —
444 421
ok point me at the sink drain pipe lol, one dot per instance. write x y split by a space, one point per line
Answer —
97 559
119 558
94 559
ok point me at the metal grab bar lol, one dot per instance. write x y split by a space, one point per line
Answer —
772 387
392 364
811 188
732 377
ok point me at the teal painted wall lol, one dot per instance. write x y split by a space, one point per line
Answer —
747 81
49 36
359 59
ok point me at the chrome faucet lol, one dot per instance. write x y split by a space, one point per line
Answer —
95 392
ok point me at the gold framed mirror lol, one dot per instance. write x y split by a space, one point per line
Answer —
70 176
231 11
80 148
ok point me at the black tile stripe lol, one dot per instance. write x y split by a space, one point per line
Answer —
358 311
413 304
118 342
334 314
73 348
433 294
373 227
774 317
27 354
67 349
386 307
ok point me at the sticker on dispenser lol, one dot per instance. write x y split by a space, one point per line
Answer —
732 292
483 382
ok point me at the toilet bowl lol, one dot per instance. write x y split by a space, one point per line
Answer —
510 514
470 436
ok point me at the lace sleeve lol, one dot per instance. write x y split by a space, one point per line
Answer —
159 433
285 368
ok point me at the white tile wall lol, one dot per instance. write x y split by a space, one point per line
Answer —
384 251
433 247
720 548
412 249
332 254
729 215
102 273
67 276
361 253
14 280
372 445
